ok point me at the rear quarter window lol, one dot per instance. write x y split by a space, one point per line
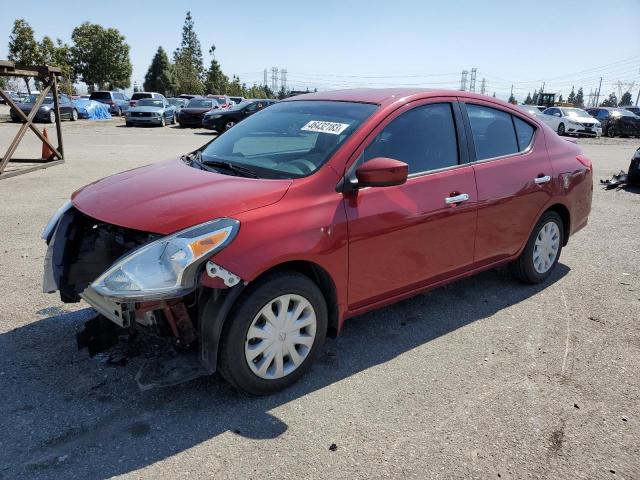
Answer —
524 133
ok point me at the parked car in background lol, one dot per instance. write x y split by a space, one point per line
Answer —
633 109
9 93
237 100
151 111
223 100
178 102
140 95
117 102
188 96
46 112
617 122
572 121
222 120
250 250
192 114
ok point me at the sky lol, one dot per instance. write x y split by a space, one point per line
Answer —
343 44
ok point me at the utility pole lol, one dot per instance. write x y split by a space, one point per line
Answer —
463 80
265 78
511 94
472 80
638 97
283 79
483 86
598 93
274 79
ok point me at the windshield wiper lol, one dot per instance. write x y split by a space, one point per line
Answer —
196 158
242 171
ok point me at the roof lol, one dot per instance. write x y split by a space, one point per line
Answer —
383 96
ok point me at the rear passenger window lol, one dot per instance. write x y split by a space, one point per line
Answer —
493 132
524 132
424 138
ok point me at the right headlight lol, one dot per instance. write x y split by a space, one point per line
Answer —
167 267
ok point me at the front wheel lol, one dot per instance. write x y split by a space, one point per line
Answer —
561 129
274 334
542 251
52 116
163 121
611 132
74 115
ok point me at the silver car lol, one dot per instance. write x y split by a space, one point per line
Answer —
151 111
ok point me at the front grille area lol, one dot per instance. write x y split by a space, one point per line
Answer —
141 114
83 248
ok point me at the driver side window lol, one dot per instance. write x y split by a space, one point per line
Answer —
424 138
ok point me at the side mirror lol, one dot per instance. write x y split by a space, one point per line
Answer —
382 172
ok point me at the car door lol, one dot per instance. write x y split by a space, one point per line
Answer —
513 176
404 237
66 108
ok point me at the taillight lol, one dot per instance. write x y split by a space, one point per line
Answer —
585 161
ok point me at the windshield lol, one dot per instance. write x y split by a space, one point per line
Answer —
149 102
200 103
619 112
100 95
289 139
138 96
33 98
175 101
575 112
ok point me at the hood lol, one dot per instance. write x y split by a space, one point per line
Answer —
146 109
169 196
196 111
26 107
583 119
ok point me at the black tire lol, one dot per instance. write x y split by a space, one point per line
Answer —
229 124
128 124
561 130
232 362
611 131
523 268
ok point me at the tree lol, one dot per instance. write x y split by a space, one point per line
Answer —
612 101
572 96
234 88
101 57
282 93
23 47
534 100
528 100
579 98
159 76
560 99
59 55
188 62
512 100
626 100
216 81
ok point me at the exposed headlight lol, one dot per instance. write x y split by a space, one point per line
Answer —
51 224
167 267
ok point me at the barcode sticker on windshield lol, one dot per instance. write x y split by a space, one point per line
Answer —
325 127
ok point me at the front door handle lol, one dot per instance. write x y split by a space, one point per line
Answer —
463 197
541 180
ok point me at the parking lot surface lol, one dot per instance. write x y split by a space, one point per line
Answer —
485 378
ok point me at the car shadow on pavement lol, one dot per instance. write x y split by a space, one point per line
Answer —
64 415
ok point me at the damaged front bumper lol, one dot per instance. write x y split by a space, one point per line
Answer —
82 250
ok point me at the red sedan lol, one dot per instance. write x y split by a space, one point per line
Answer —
247 252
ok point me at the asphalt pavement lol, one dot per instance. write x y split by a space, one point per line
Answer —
485 378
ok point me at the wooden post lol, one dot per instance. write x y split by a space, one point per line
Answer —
56 107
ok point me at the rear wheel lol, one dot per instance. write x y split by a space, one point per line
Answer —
74 115
228 124
274 333
561 129
542 251
52 116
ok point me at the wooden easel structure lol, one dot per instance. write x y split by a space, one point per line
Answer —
48 76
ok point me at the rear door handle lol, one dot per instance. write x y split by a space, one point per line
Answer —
541 180
463 197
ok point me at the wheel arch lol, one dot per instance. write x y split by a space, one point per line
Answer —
216 305
565 215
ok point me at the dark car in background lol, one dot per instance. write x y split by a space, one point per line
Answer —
117 102
617 122
46 112
140 95
222 120
632 109
191 115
